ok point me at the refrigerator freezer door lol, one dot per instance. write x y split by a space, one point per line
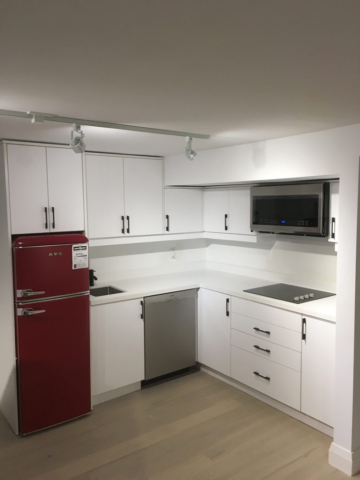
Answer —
50 271
53 350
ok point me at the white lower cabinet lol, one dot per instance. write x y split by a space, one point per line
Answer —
266 350
117 346
214 330
272 379
318 370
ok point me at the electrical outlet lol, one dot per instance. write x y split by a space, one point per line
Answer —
173 254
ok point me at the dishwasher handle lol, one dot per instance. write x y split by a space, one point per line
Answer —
142 315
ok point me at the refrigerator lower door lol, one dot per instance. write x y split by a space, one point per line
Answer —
53 350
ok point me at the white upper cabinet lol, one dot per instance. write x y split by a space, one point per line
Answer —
46 189
214 330
216 209
28 189
105 196
239 211
227 210
143 184
183 210
66 195
318 370
334 212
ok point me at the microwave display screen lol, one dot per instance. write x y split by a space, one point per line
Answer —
286 210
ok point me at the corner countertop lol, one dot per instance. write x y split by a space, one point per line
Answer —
227 283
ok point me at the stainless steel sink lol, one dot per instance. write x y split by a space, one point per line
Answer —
102 291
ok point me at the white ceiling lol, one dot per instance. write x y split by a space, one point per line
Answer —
240 70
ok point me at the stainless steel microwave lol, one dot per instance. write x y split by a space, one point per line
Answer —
301 209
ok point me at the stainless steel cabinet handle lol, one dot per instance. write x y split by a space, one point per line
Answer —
46 219
53 214
28 311
227 307
128 227
167 223
28 293
123 224
226 218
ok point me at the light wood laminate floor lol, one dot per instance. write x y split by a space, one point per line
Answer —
194 427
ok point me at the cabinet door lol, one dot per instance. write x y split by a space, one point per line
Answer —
318 370
117 346
143 196
334 211
28 189
183 210
66 194
214 331
216 205
105 196
239 211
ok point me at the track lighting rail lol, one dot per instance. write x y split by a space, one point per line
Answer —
37 117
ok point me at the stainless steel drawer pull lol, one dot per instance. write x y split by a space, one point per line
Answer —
262 376
262 331
263 349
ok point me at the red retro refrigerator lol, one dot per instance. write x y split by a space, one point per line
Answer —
52 314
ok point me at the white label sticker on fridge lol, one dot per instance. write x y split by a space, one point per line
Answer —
80 256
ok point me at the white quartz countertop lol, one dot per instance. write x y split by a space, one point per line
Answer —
227 283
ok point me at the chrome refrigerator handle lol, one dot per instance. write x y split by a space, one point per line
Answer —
25 312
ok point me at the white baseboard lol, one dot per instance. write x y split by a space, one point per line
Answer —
118 392
326 429
344 460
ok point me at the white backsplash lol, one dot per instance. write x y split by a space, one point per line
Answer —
146 259
309 262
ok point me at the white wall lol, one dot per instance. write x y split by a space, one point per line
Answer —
8 388
331 153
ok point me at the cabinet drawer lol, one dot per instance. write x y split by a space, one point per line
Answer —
282 383
265 349
267 331
273 315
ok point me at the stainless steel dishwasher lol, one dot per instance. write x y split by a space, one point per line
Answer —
170 332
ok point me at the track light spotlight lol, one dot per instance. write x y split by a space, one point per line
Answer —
190 153
77 143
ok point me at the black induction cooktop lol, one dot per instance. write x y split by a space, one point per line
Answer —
289 293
